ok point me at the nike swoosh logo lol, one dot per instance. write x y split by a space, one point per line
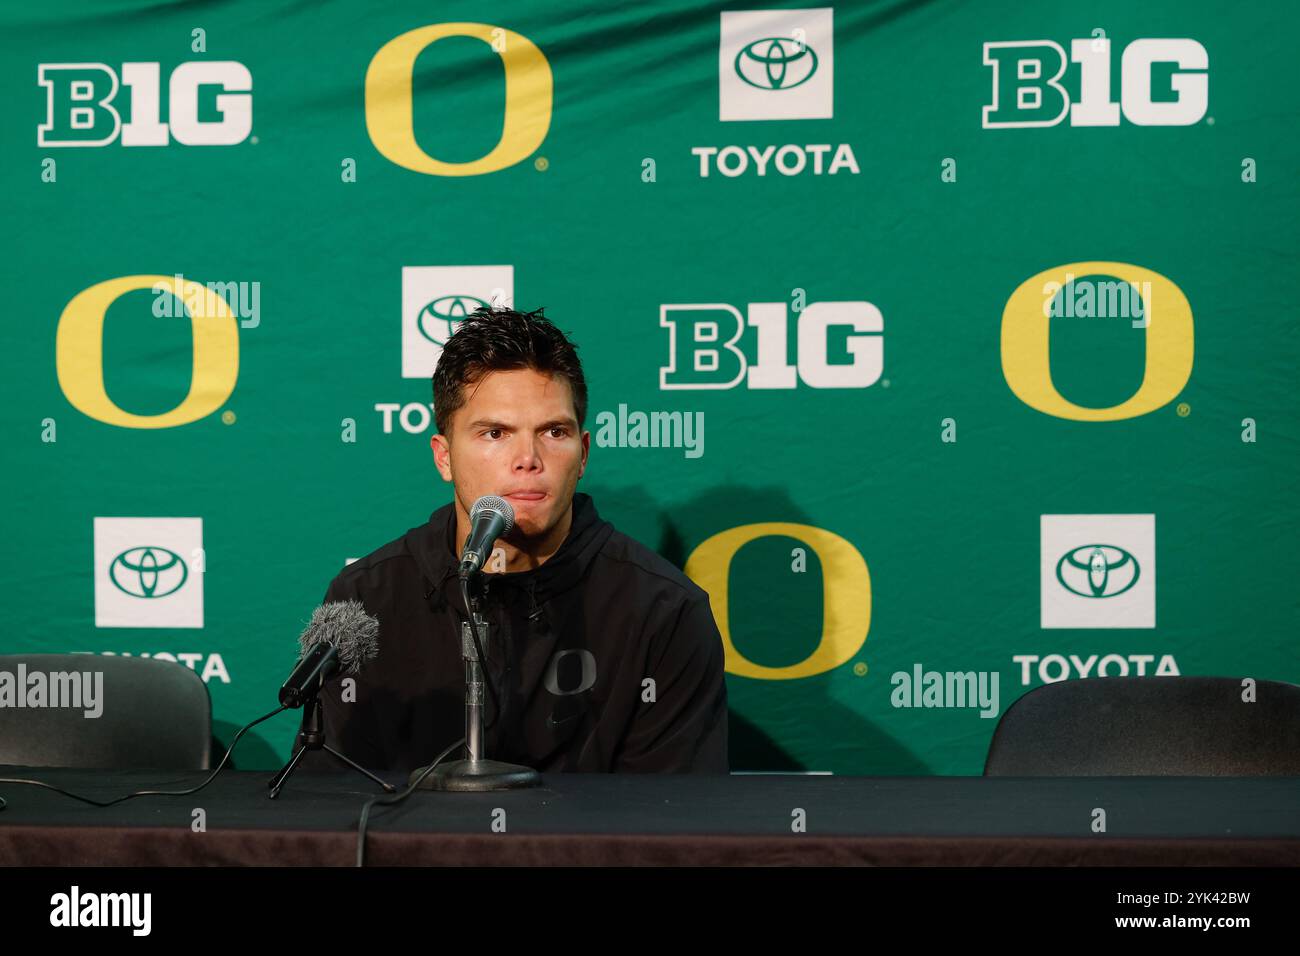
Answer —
554 724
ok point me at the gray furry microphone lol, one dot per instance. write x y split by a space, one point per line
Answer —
341 636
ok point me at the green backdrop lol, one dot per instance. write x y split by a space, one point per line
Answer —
912 438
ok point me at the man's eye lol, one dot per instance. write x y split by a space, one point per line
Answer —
561 430
491 430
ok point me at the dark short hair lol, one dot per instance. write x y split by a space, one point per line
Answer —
500 340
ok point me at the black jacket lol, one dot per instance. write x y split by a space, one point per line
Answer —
573 646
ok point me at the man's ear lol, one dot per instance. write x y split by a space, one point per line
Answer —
586 450
441 455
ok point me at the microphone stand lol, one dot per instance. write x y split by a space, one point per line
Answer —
311 736
475 773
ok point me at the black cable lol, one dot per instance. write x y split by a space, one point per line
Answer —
388 801
365 812
145 793
414 785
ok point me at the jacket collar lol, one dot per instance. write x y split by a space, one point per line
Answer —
433 545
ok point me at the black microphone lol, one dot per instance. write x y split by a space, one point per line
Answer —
340 636
490 518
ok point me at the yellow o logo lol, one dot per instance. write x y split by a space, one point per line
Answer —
79 352
390 120
1026 351
846 595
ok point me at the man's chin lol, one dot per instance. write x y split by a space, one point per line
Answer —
538 522
530 528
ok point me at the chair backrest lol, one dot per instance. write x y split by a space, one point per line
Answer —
151 714
1149 726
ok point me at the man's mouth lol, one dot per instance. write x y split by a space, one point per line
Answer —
526 496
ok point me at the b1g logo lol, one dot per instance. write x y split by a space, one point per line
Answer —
1163 82
390 118
209 103
703 350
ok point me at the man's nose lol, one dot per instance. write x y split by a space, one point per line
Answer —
530 456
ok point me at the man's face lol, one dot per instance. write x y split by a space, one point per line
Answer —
516 436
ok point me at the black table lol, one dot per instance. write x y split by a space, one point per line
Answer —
643 819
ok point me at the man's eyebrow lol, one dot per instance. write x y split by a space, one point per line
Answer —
493 423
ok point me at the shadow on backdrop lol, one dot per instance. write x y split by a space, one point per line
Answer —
771 722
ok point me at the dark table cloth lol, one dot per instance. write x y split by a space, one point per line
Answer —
650 819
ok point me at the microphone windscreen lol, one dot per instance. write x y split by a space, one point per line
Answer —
347 626
497 504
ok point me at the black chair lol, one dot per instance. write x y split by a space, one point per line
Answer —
155 715
1150 727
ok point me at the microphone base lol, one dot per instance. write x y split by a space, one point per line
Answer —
477 775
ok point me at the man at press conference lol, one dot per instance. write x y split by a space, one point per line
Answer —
602 657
